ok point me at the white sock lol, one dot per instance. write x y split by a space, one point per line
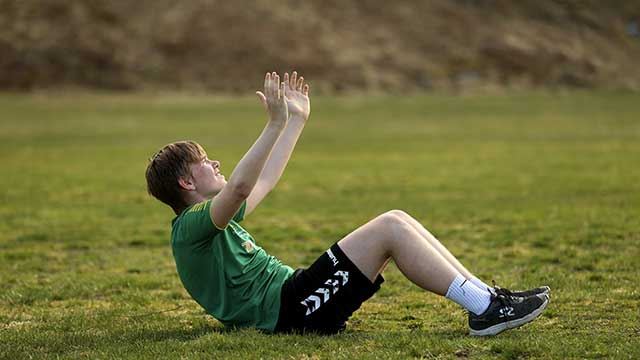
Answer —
469 296
479 283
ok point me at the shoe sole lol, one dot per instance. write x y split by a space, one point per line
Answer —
498 328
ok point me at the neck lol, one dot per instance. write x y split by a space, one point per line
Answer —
192 198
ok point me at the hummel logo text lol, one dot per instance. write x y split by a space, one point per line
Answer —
332 257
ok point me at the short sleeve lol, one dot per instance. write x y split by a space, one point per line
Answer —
239 216
196 223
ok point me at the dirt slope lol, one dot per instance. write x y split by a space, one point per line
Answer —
341 45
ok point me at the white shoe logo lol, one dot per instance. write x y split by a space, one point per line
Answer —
506 311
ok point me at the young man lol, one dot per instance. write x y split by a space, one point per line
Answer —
238 283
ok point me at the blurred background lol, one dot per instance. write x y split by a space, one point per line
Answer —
370 45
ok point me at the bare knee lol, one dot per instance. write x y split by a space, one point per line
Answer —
381 231
393 225
391 218
400 214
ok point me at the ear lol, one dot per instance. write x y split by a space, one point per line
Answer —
186 183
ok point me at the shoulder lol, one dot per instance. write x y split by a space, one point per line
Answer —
194 225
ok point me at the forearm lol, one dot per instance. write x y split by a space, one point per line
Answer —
246 173
281 152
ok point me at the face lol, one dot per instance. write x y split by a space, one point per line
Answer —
206 177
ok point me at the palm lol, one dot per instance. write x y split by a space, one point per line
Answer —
298 103
297 95
273 98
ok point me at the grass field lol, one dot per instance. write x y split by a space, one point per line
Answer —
527 189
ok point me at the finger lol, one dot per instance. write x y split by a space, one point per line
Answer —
282 86
292 84
286 78
300 83
263 99
267 85
305 89
275 85
275 81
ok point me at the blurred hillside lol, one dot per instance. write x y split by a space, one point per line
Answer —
340 45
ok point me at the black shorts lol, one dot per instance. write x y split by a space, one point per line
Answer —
321 298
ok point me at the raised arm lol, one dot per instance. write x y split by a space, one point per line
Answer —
245 175
297 97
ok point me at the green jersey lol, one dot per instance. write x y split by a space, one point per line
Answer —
224 270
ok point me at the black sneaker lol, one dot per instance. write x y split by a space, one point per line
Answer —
506 312
524 293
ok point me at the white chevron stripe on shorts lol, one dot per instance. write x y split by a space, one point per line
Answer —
326 292
313 302
335 285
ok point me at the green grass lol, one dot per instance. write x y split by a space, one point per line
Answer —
527 189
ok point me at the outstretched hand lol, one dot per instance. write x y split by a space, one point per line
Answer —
297 96
273 99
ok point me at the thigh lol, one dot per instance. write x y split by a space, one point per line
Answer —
368 247
322 297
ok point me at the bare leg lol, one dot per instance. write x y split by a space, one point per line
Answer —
393 236
434 242
388 236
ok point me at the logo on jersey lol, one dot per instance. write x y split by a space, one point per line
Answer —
248 246
323 294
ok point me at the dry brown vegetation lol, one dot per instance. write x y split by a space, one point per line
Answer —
342 45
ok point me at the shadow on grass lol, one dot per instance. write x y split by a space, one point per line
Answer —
177 334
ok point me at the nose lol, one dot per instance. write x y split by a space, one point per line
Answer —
216 164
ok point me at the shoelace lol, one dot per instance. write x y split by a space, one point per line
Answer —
505 296
502 290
